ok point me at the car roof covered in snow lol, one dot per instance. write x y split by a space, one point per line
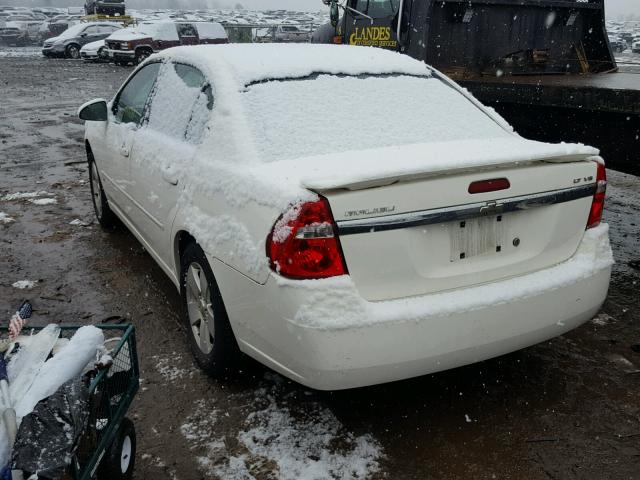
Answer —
251 63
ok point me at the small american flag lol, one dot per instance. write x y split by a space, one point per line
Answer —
18 321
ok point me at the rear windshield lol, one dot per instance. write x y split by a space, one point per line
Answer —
327 114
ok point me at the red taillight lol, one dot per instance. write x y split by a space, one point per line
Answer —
303 243
492 185
597 207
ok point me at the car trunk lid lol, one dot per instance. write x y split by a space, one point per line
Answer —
405 233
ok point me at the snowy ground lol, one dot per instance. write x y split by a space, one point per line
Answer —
566 409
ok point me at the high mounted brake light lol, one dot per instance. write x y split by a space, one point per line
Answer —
303 243
597 206
491 185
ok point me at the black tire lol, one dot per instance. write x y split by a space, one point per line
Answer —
141 55
120 458
73 51
224 354
107 219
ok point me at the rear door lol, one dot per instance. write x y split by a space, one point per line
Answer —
370 23
90 34
105 30
164 149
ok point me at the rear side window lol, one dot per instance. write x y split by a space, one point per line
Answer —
182 103
132 100
187 30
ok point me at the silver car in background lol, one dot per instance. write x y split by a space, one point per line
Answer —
69 42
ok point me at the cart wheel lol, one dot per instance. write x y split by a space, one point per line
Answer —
120 457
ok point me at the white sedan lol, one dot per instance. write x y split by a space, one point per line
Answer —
94 51
346 215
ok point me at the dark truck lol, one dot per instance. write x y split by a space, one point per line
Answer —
135 44
546 65
104 7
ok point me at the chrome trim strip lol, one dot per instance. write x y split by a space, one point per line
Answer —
463 212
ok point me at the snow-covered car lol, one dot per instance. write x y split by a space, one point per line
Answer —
346 216
22 30
635 48
94 52
69 42
135 44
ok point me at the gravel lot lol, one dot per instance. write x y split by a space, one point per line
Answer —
565 409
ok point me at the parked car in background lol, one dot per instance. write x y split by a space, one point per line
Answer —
95 52
635 48
22 30
69 42
135 44
291 33
346 260
617 44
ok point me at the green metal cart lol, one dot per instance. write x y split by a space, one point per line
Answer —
108 446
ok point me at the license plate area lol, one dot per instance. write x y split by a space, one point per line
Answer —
476 237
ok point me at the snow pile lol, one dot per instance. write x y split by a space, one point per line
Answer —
79 223
5 219
336 304
281 443
24 284
43 201
22 196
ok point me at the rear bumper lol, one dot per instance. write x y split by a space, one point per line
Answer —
89 55
323 335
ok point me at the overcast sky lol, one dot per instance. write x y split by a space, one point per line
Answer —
614 7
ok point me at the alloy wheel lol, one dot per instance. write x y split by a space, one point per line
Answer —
199 307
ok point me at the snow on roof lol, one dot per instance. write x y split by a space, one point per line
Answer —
250 63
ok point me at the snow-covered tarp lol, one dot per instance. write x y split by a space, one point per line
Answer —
33 376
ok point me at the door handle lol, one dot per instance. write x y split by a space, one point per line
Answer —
170 179
124 149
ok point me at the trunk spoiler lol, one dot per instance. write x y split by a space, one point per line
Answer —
372 168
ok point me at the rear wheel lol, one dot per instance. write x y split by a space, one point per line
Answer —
73 51
120 457
210 336
104 214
